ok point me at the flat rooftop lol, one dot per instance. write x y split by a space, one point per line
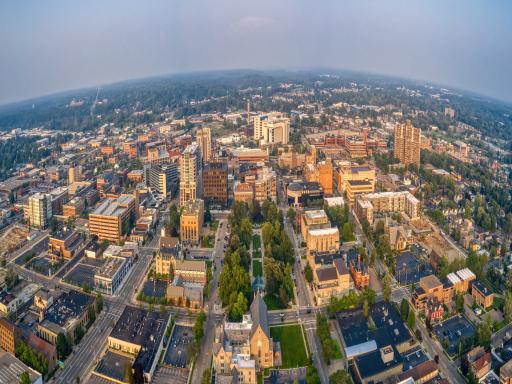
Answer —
113 207
144 328
67 306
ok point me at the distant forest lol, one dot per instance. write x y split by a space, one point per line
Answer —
230 91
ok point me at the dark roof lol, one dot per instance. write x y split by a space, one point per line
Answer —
371 363
420 371
69 305
143 328
259 315
481 288
359 182
341 266
216 166
327 258
326 273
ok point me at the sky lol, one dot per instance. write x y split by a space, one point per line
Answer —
55 45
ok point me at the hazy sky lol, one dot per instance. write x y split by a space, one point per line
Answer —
49 46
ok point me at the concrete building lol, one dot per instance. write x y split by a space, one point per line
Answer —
204 141
431 288
9 335
246 347
407 144
191 176
331 281
111 219
110 276
215 183
162 178
67 312
387 202
191 221
39 210
63 244
482 295
139 334
272 128
321 173
348 171
323 240
74 207
315 219
506 373
11 368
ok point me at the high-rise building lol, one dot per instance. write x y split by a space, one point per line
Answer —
191 176
39 210
272 128
215 183
407 143
162 178
74 174
191 221
111 220
204 141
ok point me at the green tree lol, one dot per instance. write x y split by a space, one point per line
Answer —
347 233
308 273
404 309
411 319
386 287
507 306
340 377
365 308
206 376
25 378
63 346
312 376
291 214
99 302
238 308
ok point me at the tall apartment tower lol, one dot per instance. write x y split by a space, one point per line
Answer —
162 178
407 143
39 210
191 177
204 140
272 128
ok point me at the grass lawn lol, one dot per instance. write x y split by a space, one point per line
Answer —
257 269
293 349
256 254
256 241
273 302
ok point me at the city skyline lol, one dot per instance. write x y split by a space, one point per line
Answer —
61 47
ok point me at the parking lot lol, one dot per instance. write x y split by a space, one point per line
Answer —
155 288
410 268
81 275
177 349
451 331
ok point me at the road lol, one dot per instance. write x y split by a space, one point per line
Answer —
398 293
304 299
212 319
88 353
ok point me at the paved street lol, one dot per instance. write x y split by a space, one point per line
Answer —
205 356
87 354
448 367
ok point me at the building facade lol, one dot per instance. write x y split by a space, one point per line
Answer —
111 219
191 185
407 144
215 183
